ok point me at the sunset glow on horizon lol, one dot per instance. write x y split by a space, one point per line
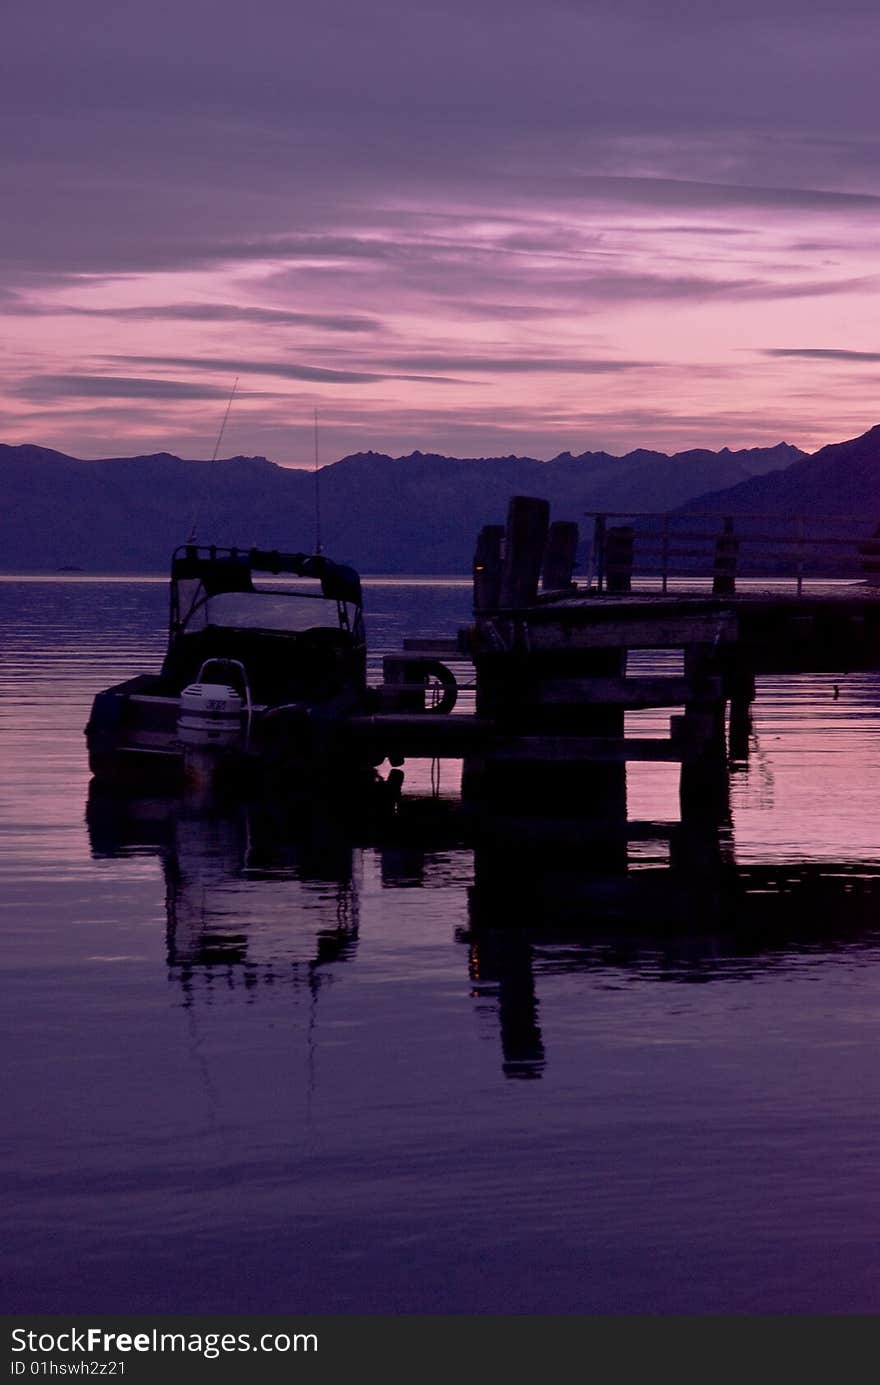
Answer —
480 230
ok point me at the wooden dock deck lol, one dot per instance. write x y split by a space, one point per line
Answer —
550 664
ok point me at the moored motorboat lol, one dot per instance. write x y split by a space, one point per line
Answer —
266 657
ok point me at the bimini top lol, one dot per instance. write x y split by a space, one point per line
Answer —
222 570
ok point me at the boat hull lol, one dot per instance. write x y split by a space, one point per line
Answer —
133 739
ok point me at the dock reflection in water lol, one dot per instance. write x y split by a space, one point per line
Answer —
545 899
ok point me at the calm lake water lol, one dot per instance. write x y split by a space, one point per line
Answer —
255 1069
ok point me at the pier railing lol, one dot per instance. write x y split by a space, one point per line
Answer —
707 547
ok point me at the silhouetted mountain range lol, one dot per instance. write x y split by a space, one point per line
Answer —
832 495
419 513
840 479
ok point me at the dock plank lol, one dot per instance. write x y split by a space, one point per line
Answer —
671 632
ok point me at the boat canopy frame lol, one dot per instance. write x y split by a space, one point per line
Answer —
222 570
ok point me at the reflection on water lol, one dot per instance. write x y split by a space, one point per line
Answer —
394 1058
683 912
234 887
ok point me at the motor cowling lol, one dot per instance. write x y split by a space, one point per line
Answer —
210 714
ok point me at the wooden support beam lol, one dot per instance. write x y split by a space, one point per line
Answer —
429 736
421 735
701 728
698 733
630 693
583 749
704 796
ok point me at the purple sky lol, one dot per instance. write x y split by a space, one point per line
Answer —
474 228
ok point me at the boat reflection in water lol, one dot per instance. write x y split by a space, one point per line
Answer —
251 898
263 896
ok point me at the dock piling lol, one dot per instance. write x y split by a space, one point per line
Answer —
726 554
619 548
488 565
559 556
528 520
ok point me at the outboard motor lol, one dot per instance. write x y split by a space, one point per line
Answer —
212 726
211 715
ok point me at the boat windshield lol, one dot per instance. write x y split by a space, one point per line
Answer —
259 610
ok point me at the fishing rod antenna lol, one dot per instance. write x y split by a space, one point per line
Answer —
318 548
194 526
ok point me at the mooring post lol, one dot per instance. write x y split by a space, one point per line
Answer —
559 556
597 555
703 721
703 844
488 560
528 520
619 546
664 576
724 569
703 787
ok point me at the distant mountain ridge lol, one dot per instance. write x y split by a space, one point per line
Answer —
418 513
841 479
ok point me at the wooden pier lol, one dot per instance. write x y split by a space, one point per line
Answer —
550 661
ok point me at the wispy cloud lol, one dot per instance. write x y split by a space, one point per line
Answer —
201 312
488 311
518 365
49 387
661 194
282 370
820 353
629 287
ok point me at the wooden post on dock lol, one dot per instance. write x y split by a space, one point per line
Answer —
488 562
726 551
528 519
559 556
597 552
619 546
